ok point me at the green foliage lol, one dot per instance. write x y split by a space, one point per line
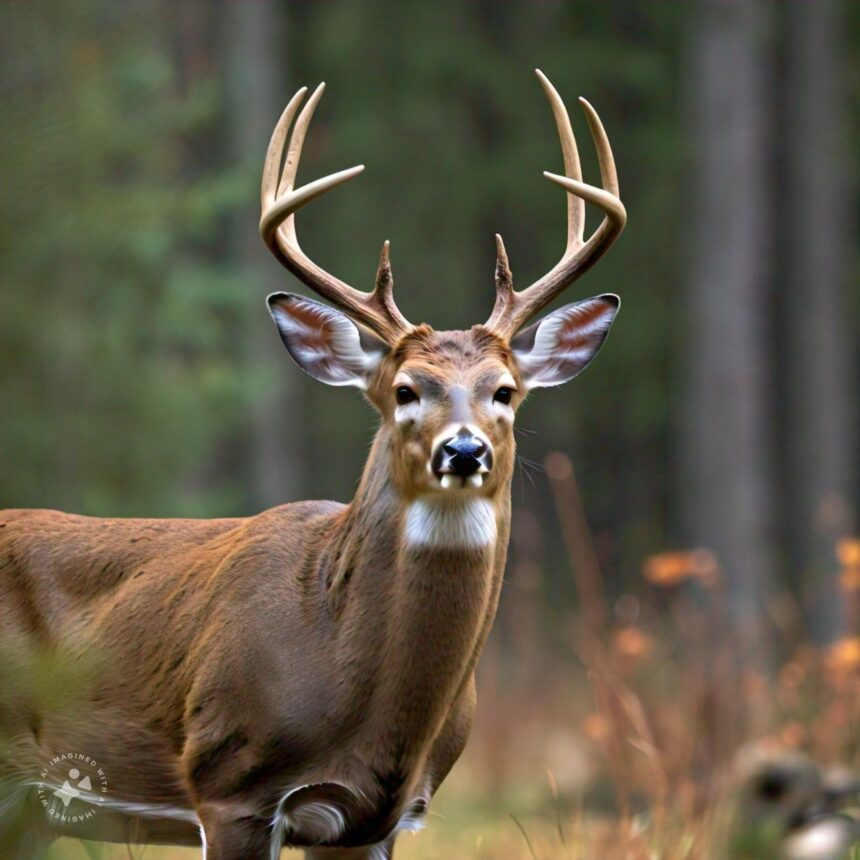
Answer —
116 324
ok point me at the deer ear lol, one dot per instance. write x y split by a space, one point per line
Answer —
326 343
554 349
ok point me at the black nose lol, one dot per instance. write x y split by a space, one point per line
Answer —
464 454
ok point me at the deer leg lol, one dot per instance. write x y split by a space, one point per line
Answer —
227 835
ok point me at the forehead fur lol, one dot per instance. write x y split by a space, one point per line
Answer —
445 353
452 348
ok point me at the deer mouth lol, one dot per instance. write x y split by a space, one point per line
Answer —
452 481
461 465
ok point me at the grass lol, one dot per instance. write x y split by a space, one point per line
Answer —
626 750
621 739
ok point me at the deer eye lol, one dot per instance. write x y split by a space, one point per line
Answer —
404 394
503 395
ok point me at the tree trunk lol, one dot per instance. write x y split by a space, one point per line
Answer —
821 438
256 96
725 479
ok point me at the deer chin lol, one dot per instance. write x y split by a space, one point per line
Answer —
450 521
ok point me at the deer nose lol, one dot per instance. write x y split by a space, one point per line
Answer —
465 455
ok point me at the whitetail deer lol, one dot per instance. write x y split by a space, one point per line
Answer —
303 677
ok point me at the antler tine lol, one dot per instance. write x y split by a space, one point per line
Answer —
570 155
608 173
513 308
504 279
272 164
280 201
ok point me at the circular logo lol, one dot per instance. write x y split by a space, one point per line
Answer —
72 787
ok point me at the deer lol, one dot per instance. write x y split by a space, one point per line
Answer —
305 677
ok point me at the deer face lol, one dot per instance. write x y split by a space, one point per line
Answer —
447 399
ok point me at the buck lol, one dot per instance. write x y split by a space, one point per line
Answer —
304 677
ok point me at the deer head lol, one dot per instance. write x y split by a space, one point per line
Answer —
448 397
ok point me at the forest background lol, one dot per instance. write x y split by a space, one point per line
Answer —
698 486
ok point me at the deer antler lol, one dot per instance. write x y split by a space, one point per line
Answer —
279 202
512 308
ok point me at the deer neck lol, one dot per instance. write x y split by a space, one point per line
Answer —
413 585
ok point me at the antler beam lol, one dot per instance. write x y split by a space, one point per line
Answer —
279 202
513 309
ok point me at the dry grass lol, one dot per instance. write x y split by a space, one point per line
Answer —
619 743
624 751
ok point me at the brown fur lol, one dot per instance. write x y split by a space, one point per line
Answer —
239 658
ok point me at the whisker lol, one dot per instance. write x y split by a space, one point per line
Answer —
532 464
526 466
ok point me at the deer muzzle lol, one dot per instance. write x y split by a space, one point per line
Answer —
462 460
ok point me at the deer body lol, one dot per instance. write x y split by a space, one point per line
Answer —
303 677
336 589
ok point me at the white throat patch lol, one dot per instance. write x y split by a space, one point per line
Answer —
436 521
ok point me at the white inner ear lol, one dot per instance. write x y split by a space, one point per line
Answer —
347 349
563 342
328 344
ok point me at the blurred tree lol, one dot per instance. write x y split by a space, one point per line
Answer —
725 480
819 352
256 94
114 336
